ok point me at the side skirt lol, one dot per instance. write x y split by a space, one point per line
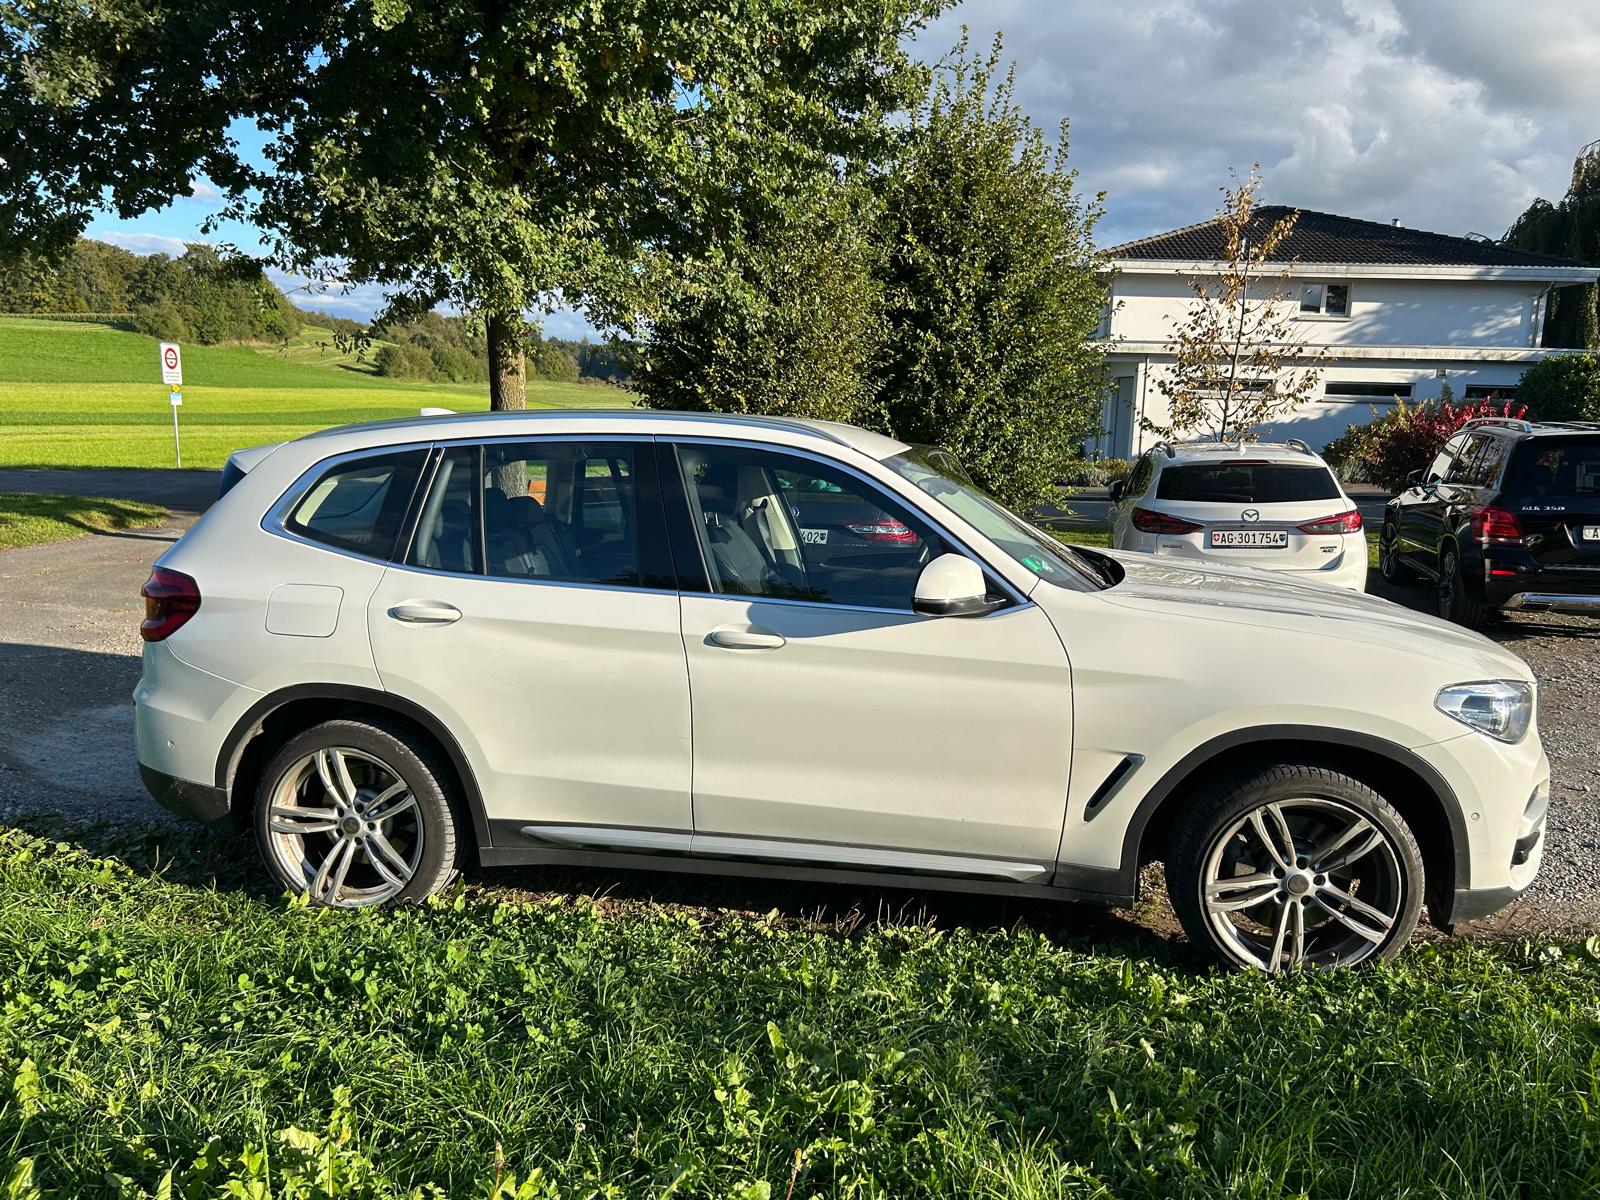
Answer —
1088 885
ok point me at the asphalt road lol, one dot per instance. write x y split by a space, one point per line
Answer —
184 493
69 661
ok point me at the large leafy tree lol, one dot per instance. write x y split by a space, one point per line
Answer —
1572 230
794 335
993 290
491 154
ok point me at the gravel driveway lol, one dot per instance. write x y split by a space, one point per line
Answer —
69 660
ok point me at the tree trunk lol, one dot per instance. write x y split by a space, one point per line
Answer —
508 339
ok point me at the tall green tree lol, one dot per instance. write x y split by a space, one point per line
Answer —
794 335
1572 230
495 154
993 290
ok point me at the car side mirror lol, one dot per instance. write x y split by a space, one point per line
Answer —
1413 478
952 585
1118 487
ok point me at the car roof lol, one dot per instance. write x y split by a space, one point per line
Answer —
598 421
1518 428
1273 452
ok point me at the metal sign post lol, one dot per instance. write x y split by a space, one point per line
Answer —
172 376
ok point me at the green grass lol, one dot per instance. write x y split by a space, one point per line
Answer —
82 395
153 1026
26 520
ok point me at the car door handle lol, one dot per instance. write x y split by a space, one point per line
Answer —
745 639
425 612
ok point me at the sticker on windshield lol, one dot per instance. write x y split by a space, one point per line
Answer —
1035 564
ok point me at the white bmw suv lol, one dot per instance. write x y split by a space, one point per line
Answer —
658 640
1256 504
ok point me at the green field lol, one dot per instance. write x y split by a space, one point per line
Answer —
80 395
165 1034
26 520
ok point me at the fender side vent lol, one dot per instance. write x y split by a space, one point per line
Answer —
1112 785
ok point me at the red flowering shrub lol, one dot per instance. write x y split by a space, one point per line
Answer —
1405 440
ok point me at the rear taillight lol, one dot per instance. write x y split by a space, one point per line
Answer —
1146 521
1345 522
885 530
1495 526
170 599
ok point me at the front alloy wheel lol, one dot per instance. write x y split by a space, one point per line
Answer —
351 815
1296 866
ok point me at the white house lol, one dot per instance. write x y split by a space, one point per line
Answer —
1392 312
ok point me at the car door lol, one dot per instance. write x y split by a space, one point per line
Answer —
833 724
536 614
1422 508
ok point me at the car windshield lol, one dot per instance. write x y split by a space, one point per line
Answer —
1246 482
1567 466
940 475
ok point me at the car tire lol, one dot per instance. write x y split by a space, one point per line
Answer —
1454 604
355 813
1351 891
1390 565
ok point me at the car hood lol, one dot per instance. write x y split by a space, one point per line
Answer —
1247 596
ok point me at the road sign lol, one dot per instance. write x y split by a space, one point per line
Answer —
177 398
171 364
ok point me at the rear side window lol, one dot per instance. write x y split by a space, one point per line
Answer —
360 505
1567 466
1245 482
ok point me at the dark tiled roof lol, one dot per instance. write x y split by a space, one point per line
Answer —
1326 238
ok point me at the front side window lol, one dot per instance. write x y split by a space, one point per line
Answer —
1440 467
1242 481
790 528
1325 299
559 512
359 506
1140 479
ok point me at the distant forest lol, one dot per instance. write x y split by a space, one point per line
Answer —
201 297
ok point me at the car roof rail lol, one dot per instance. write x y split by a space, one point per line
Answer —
1581 426
1297 444
1516 423
1165 446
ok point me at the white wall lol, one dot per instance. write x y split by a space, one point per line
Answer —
1383 312
1317 422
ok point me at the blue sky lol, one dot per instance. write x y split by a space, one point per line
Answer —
1448 116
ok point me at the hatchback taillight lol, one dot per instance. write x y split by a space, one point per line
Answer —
170 599
1146 521
885 529
1496 526
1345 522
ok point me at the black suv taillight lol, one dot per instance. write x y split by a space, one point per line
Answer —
170 599
1495 526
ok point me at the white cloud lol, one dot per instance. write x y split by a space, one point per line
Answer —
140 243
1449 116
203 191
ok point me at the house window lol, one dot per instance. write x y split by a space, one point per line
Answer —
1373 391
1499 391
1325 300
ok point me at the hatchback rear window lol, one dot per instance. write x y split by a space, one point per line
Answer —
1566 466
1246 483
360 505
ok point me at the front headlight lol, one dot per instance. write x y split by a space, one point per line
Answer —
1501 708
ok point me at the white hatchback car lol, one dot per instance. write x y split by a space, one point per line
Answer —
626 639
1257 504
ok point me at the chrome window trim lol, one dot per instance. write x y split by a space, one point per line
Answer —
1013 593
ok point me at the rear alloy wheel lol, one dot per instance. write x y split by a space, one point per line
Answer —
1454 602
350 815
1295 866
1390 565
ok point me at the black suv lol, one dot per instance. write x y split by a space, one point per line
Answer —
1506 517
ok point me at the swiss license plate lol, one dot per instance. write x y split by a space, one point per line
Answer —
1591 533
814 537
1249 539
